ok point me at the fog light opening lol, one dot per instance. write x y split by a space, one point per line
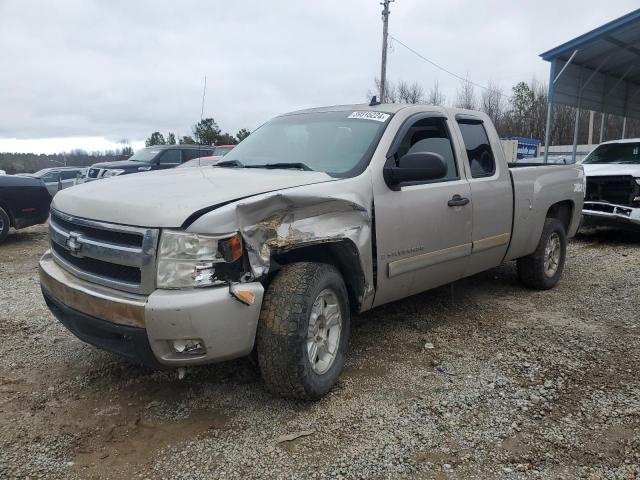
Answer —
188 346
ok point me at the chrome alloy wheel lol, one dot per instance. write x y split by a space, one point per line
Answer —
552 255
323 334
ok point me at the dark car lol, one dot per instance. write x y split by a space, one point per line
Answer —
151 158
24 201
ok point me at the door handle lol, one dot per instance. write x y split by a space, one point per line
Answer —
457 201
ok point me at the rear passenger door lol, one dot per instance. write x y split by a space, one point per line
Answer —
491 192
423 229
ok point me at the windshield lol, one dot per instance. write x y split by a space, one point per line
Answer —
145 155
615 153
338 143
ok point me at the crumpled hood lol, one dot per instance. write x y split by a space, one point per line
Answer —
166 198
605 169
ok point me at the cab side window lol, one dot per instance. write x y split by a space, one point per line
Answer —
68 174
51 177
430 135
170 157
479 153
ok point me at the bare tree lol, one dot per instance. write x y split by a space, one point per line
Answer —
466 95
435 95
492 103
410 93
390 91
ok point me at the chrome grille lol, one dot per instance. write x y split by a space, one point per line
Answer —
116 256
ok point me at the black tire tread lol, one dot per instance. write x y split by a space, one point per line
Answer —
7 225
531 268
278 335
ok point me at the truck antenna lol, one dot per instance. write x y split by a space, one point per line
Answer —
204 92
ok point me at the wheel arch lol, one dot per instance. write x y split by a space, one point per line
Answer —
341 253
562 211
5 207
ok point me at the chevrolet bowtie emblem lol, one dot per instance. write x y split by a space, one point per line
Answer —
73 243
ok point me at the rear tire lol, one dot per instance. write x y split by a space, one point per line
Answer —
5 225
303 332
543 268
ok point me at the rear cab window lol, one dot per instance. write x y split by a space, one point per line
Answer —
482 162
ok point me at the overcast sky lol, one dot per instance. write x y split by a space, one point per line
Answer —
83 73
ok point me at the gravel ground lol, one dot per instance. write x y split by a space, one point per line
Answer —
518 384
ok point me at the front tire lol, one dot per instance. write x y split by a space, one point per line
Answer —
5 225
543 268
303 332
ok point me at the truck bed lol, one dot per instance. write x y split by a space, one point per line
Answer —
536 189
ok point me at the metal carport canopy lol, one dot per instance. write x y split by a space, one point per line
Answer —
598 71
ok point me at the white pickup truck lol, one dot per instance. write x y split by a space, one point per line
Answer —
613 185
317 215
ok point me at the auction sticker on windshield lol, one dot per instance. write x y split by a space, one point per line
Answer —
368 115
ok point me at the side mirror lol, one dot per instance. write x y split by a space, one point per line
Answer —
415 167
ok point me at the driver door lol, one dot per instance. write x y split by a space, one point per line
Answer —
423 229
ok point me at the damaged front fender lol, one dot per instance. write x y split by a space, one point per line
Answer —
283 221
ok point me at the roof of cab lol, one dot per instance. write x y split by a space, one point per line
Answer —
382 107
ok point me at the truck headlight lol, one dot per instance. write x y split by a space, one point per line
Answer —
113 173
187 260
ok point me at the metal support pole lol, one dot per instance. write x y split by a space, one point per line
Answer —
547 131
624 127
577 121
385 34
592 115
602 107
547 128
575 135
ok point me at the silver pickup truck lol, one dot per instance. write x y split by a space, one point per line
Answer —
317 215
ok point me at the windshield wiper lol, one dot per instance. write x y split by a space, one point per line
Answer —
229 163
296 165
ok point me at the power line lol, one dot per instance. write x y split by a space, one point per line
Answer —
440 67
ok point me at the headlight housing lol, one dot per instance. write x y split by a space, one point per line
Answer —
188 260
113 173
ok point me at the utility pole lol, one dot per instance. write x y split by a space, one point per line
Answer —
385 33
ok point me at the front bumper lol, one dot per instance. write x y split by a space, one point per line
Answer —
143 328
608 214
